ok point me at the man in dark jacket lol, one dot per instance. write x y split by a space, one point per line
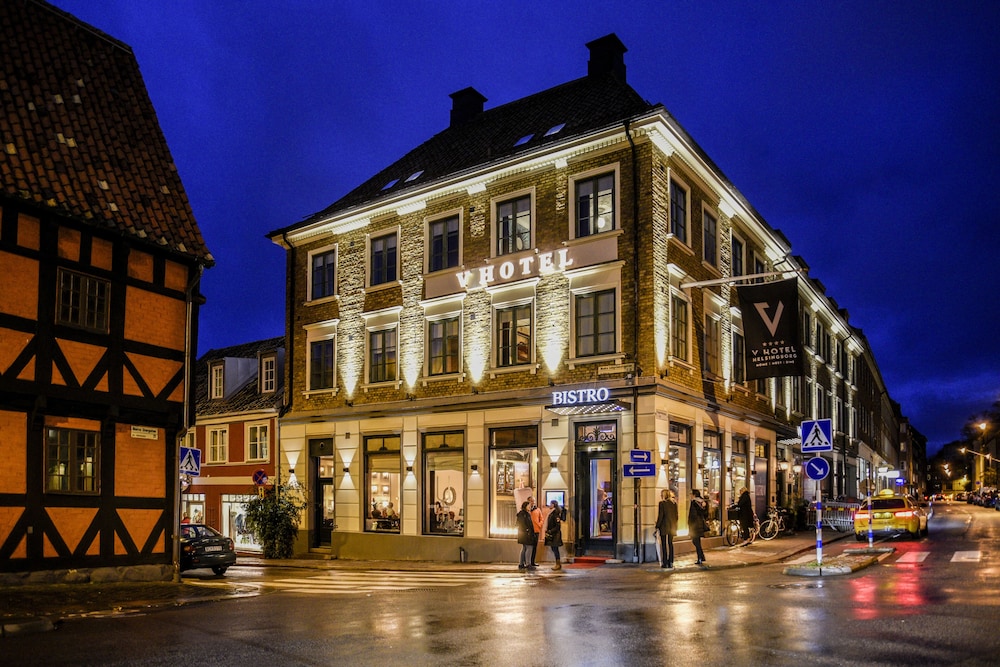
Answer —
666 524
526 535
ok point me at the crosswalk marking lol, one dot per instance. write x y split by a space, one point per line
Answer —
346 583
966 557
913 557
907 557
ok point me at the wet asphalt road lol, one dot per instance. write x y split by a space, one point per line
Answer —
936 601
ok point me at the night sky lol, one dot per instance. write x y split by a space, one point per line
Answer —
867 132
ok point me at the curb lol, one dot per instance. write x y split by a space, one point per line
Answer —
852 560
26 627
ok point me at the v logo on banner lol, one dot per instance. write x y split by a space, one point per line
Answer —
771 324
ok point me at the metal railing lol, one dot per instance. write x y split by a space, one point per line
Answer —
838 516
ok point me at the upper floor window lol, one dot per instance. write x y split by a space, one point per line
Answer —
257 442
739 359
679 321
710 231
596 322
513 220
323 269
443 251
218 445
759 266
739 252
321 349
595 204
268 375
71 460
382 355
678 211
217 374
83 301
513 335
712 345
383 259
443 346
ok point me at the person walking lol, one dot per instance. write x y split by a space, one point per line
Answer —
536 522
666 525
745 514
553 531
526 535
698 524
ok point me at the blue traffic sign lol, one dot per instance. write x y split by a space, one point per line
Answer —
640 469
190 461
817 436
817 468
640 456
260 478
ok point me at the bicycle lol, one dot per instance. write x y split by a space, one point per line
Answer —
734 536
773 525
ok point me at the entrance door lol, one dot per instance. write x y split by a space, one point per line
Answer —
323 504
596 503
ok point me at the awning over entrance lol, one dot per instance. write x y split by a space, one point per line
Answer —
589 408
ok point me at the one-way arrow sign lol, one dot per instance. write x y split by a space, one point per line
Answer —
640 469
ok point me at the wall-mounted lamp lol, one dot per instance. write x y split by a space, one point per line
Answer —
475 467
475 390
553 464
411 397
783 465
409 468
291 471
349 403
796 468
347 436
664 462
347 471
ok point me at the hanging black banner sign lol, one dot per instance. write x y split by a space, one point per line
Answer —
771 329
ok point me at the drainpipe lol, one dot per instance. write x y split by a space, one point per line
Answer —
637 542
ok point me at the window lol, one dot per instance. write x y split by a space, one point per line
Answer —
442 346
679 328
763 386
514 335
759 266
71 459
218 445
513 454
677 469
323 265
739 268
739 359
257 442
595 205
383 259
444 475
514 225
796 394
595 323
710 231
321 364
382 356
711 478
268 375
443 244
678 211
218 379
806 328
83 301
738 471
382 464
712 345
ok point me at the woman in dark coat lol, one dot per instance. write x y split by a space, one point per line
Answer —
698 523
747 516
526 535
553 531
666 525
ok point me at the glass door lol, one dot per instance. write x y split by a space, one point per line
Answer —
597 505
323 506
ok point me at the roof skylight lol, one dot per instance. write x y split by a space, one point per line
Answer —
414 176
554 129
390 184
525 139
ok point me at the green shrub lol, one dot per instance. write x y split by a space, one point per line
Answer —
273 517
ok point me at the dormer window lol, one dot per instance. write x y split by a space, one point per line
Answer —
268 374
217 380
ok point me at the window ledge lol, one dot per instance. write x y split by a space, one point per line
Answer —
391 384
532 368
324 300
616 359
677 361
312 393
578 240
449 377
680 244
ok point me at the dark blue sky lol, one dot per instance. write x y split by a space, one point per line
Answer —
867 132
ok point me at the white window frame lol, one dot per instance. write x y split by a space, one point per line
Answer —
381 320
495 220
336 283
268 374
389 231
678 294
217 444
584 281
734 238
319 331
264 448
217 379
614 168
707 210
427 239
672 178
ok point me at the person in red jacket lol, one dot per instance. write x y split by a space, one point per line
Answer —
536 521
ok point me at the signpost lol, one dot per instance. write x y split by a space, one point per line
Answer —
817 436
640 456
639 469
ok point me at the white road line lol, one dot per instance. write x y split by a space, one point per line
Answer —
967 557
913 557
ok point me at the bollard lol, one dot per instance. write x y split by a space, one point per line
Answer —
463 555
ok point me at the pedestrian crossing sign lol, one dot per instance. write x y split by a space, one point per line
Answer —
190 461
817 436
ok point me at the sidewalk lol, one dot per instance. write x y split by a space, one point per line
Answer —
39 608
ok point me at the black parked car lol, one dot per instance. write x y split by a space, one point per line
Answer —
202 546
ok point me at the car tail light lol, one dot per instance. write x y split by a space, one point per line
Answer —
908 514
232 545
863 516
188 548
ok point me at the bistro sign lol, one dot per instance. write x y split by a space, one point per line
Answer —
578 396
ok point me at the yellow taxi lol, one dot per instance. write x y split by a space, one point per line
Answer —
890 514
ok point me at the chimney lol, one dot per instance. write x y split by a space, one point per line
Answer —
466 104
607 55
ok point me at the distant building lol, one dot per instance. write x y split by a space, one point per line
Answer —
240 391
525 302
100 260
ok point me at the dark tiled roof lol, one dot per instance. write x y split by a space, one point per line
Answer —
584 105
78 132
247 398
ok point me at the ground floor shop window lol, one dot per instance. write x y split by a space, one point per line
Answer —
678 458
234 522
193 508
444 483
513 456
711 480
382 466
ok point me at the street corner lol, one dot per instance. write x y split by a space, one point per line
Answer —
843 564
26 626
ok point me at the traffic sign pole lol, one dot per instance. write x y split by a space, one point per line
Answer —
819 529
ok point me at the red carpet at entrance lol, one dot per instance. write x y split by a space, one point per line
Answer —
581 562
